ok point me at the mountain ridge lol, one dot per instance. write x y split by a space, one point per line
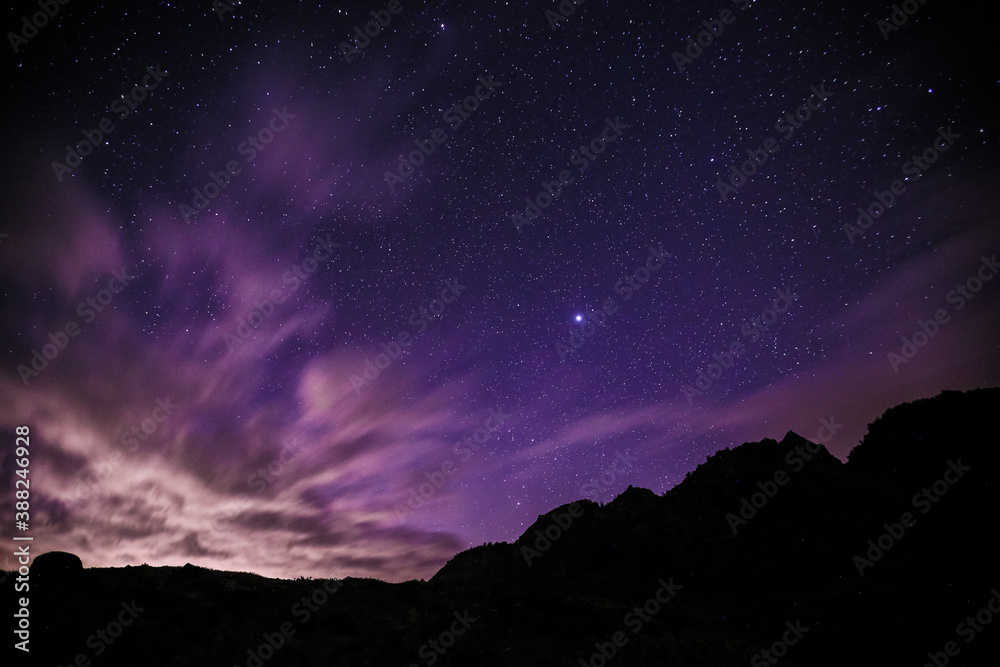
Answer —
802 552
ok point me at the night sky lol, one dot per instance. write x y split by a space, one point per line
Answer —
315 304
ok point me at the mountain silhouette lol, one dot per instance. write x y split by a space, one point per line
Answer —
770 553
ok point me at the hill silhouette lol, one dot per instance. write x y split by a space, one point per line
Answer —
769 546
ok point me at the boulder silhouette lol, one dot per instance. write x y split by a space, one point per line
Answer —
54 571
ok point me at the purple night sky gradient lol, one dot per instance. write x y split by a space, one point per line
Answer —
189 492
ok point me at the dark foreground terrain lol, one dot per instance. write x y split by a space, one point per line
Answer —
679 579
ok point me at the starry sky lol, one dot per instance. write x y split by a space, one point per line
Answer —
282 297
